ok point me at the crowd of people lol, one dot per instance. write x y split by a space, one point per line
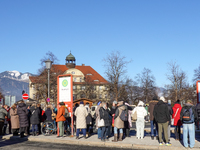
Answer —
115 121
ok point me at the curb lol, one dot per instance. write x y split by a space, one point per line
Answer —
98 144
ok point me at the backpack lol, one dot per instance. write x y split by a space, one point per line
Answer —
66 113
124 115
188 116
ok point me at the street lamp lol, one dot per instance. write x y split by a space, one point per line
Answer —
48 64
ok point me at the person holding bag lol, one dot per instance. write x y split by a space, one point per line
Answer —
176 119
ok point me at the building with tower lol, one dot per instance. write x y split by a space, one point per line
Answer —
87 83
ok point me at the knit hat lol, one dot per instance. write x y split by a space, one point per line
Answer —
155 98
115 102
189 101
162 98
141 103
61 103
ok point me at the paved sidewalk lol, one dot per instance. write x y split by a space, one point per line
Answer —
131 142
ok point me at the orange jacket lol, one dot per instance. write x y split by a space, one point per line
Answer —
60 114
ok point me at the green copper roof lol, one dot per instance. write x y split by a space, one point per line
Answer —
70 57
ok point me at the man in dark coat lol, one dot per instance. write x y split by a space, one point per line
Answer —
162 117
23 117
154 124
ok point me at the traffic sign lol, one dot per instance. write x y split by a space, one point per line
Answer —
48 99
25 96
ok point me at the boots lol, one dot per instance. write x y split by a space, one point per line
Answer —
115 138
120 137
22 135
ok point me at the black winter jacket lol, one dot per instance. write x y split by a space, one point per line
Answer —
47 115
23 115
161 112
104 114
35 115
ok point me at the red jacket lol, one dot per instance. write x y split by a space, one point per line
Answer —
177 121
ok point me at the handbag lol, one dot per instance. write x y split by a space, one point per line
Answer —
172 121
101 123
53 115
134 116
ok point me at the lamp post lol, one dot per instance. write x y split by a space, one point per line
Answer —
48 64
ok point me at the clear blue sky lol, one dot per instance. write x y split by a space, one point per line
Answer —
150 32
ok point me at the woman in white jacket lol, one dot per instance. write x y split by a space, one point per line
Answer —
141 113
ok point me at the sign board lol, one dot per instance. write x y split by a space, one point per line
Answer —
48 99
65 93
198 91
25 96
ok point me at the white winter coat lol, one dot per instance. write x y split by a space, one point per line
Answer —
141 111
81 114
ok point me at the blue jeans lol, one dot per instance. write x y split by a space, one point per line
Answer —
120 130
99 133
104 131
34 128
154 124
78 130
191 129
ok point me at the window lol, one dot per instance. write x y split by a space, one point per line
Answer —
94 95
105 88
83 87
100 96
74 79
80 79
100 87
33 86
72 72
33 96
94 87
106 95
82 95
74 96
74 87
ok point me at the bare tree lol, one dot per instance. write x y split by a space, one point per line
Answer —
196 74
42 83
178 80
115 65
88 88
147 84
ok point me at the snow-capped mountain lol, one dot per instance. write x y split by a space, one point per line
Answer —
14 82
16 75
